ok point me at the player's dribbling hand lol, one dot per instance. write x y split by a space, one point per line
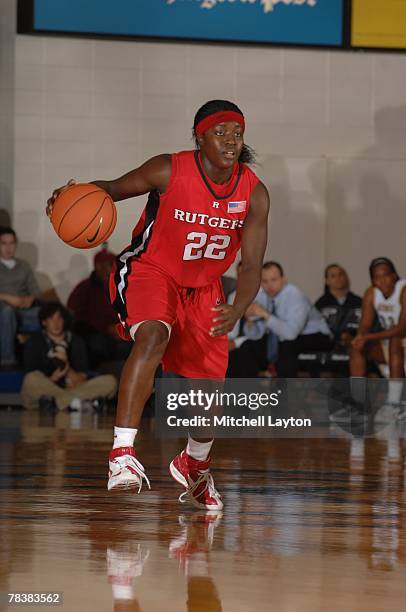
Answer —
226 320
55 194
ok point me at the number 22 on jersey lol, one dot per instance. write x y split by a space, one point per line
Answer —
203 246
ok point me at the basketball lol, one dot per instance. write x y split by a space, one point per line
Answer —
84 216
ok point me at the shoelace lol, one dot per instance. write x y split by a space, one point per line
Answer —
137 466
205 477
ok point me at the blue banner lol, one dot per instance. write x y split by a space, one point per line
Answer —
302 22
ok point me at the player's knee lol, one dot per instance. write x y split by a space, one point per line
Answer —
151 340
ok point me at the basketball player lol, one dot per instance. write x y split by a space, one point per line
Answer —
203 206
386 298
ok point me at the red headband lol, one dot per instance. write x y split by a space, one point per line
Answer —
220 117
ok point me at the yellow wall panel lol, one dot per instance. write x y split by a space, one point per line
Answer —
379 23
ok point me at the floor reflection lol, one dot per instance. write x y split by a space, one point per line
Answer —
125 562
308 524
191 548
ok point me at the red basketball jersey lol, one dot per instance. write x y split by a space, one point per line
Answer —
193 231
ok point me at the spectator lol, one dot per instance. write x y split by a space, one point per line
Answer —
247 356
95 318
282 308
339 306
18 292
229 284
56 364
386 298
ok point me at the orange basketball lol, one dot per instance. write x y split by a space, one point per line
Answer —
84 216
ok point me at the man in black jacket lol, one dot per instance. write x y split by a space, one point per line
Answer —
56 364
95 318
339 306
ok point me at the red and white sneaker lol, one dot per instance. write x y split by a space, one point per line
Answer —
125 471
195 476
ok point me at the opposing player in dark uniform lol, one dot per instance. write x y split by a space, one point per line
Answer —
203 206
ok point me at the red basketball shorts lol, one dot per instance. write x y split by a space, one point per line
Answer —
145 293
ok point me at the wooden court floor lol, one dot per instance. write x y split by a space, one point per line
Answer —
308 525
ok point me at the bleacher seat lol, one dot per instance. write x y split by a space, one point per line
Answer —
333 360
10 386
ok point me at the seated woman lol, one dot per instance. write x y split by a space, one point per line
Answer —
339 306
386 298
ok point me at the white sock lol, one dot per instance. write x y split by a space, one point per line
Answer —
122 591
395 388
124 436
76 403
198 450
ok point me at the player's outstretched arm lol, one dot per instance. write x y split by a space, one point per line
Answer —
153 174
253 246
